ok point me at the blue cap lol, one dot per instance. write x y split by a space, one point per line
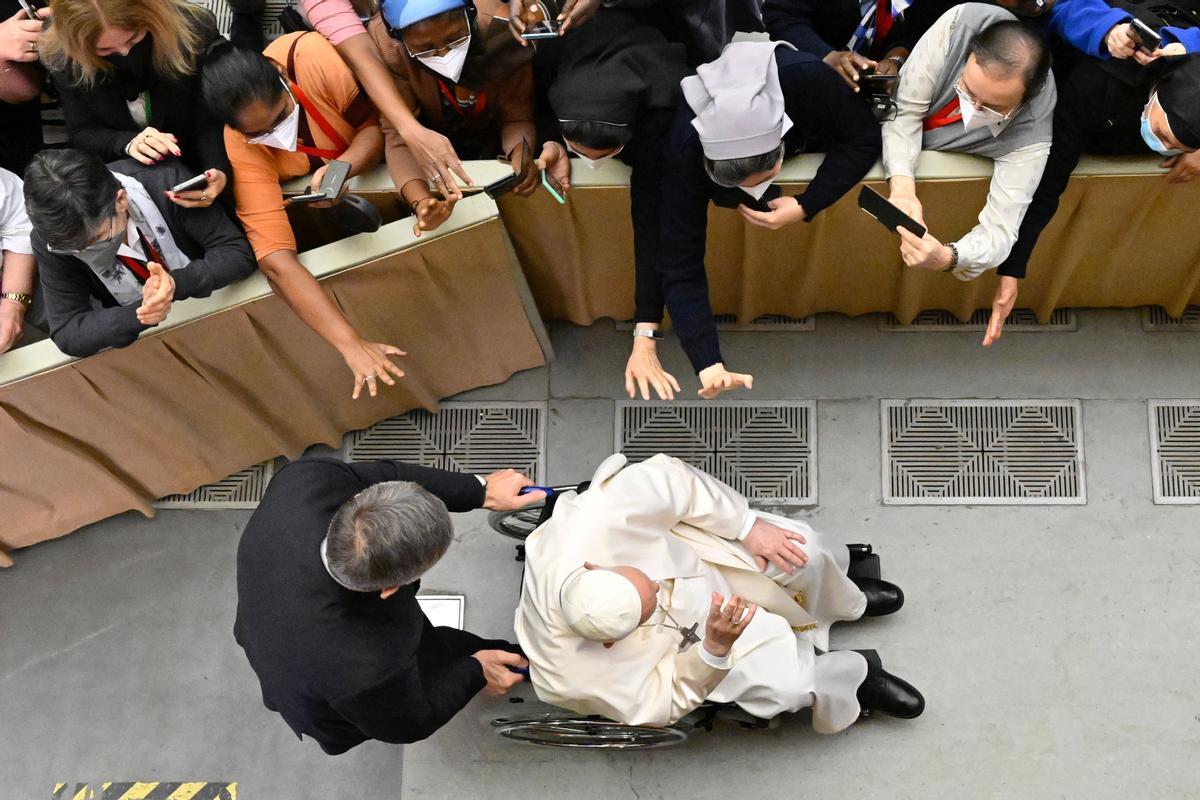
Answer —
400 14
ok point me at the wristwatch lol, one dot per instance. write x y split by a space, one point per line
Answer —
20 297
645 332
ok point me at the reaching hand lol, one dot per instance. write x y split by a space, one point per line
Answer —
725 625
784 211
158 292
909 204
716 379
153 145
577 12
496 670
1120 41
554 159
1183 167
768 542
1173 49
370 363
203 197
1002 306
645 370
430 213
12 323
522 14
435 153
849 66
314 187
504 491
925 252
19 36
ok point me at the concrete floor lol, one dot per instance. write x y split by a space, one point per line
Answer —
1056 646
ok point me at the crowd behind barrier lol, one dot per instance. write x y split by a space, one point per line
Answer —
85 439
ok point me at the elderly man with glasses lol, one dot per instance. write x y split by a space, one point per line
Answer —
978 82
113 251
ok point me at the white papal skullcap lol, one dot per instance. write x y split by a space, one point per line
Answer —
600 604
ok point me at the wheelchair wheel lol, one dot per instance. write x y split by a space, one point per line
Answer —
516 524
587 733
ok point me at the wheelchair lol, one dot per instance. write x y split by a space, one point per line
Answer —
561 728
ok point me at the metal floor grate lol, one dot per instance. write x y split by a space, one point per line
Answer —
224 15
765 450
240 490
469 437
1175 446
1021 319
1155 318
769 322
982 452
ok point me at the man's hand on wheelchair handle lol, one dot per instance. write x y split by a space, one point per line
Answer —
496 670
726 624
767 542
503 491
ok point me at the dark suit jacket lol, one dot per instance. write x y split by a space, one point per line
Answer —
821 26
71 290
98 119
827 116
342 666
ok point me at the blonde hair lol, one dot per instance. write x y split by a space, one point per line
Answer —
70 43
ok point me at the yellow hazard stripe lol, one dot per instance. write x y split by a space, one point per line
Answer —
139 791
84 793
193 790
187 791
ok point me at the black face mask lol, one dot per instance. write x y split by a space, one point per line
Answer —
139 61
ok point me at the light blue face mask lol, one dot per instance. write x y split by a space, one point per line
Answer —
1152 141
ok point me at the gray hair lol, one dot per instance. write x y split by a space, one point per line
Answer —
1012 47
731 172
389 534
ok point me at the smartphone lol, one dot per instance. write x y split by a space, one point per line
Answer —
300 199
523 166
554 188
31 7
334 179
878 84
546 29
191 183
1147 38
887 214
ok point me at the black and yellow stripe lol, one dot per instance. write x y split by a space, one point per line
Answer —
147 790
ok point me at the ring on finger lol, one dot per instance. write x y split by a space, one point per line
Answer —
204 196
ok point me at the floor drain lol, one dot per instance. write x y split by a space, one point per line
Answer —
982 452
1021 319
767 451
1155 318
468 437
240 490
1175 441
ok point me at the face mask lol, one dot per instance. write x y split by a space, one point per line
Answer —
137 60
592 163
1152 141
759 189
973 118
286 134
449 66
103 254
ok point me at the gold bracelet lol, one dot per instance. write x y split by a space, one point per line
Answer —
20 297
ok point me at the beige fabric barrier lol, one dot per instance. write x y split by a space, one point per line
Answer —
237 378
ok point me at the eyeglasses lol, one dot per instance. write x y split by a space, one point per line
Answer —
95 244
992 114
433 51
279 121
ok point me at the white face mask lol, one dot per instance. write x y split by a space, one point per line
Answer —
759 189
449 66
973 117
592 163
286 134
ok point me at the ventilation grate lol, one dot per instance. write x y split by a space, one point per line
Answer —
985 452
769 322
766 451
1175 442
240 490
1155 318
1021 319
467 437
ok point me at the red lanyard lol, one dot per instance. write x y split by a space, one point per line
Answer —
476 108
322 123
948 115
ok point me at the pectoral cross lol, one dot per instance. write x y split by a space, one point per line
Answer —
689 636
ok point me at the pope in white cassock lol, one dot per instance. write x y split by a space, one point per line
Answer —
623 610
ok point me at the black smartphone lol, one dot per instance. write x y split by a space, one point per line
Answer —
334 179
878 84
191 183
546 29
522 167
888 215
1147 38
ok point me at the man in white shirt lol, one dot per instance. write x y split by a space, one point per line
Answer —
16 261
622 608
978 82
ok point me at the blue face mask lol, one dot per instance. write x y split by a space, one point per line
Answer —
1152 141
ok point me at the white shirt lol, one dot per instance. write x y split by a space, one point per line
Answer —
1015 177
14 222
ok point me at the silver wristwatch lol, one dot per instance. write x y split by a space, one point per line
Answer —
647 333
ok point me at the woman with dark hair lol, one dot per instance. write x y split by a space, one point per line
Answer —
113 252
290 111
615 97
127 73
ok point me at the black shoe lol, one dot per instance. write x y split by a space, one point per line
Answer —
246 32
886 693
882 597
